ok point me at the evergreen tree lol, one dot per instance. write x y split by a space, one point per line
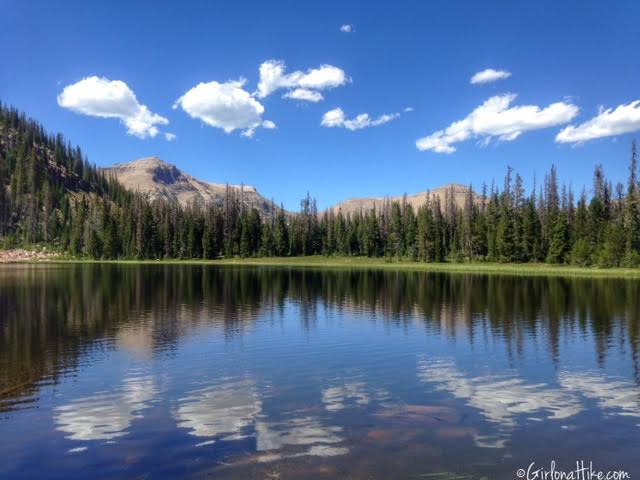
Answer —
632 213
281 234
559 244
581 252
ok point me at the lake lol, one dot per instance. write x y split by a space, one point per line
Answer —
186 371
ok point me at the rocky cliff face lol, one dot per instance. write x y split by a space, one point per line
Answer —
161 180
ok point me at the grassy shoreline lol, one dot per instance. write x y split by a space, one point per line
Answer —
526 269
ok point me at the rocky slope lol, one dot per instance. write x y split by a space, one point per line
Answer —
159 179
456 192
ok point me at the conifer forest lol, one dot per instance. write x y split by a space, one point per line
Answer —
50 194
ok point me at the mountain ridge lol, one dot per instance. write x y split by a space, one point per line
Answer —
163 180
457 192
160 179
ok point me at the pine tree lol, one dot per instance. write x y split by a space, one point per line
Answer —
581 251
493 217
632 213
599 209
76 241
210 248
611 253
559 244
281 234
396 239
410 229
266 241
505 231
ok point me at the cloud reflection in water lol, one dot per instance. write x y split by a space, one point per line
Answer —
226 409
105 415
613 396
232 410
500 399
298 432
339 397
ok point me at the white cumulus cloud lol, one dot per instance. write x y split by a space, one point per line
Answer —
489 75
347 28
104 98
609 122
496 118
304 94
336 118
273 77
224 105
249 132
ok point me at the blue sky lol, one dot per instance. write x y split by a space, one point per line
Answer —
566 60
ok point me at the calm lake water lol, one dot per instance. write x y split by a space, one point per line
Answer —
173 371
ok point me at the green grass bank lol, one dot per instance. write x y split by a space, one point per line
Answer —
525 269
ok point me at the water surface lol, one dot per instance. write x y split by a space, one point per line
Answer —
143 371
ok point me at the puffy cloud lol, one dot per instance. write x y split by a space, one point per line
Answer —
622 119
495 118
489 75
249 132
347 28
273 77
104 98
170 137
336 118
224 105
408 109
304 94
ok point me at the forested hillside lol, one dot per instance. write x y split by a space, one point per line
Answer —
51 194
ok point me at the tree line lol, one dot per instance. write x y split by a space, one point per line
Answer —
51 194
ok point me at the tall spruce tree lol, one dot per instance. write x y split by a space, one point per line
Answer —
632 213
